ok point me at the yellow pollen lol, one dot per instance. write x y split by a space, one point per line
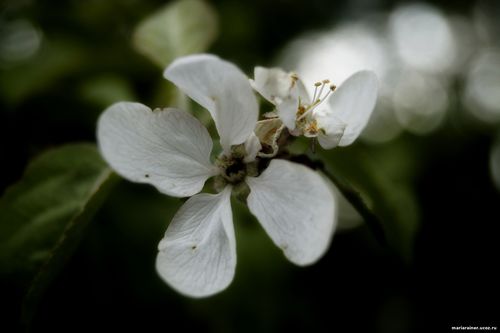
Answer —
301 110
312 127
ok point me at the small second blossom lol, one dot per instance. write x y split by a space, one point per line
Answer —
335 116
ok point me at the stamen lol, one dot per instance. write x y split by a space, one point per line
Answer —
312 128
313 145
300 111
321 90
317 99
316 85
294 78
326 95
303 115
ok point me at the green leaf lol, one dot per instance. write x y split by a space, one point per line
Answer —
180 28
43 216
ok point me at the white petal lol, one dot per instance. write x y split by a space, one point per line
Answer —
333 129
353 103
252 148
198 253
222 89
169 149
295 207
300 91
287 112
284 90
274 84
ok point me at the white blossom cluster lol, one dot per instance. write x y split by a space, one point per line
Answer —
171 150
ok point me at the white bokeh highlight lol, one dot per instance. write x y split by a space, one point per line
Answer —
418 54
482 91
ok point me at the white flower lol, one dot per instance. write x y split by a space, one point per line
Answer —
337 122
171 150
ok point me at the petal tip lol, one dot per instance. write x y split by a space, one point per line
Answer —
182 61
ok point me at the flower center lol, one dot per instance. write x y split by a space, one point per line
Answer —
233 169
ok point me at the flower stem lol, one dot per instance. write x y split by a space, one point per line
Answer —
352 195
355 199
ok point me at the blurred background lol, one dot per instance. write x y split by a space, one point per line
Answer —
428 163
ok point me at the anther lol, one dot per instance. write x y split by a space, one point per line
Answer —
300 110
317 98
320 91
321 98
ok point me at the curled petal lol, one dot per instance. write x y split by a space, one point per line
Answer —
197 256
221 88
252 148
169 149
287 112
332 131
269 131
296 208
353 102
